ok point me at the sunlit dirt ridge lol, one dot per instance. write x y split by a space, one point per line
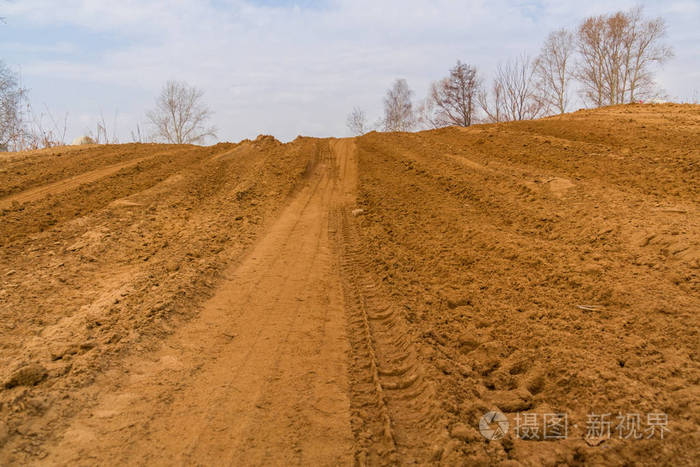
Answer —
355 301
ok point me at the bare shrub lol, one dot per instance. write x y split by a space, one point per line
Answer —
38 131
101 135
137 135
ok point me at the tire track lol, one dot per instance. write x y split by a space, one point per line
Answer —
61 186
374 437
392 395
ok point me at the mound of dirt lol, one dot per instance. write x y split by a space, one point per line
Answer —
363 301
547 267
107 262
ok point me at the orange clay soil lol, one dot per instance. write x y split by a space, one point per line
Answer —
361 301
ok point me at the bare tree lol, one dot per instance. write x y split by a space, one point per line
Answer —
617 53
101 134
357 122
455 97
36 133
398 109
180 116
21 128
10 102
553 68
515 95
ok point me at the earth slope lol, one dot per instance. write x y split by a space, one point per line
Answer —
360 301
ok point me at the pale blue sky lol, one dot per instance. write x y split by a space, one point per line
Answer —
285 67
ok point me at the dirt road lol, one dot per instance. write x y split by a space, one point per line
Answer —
260 377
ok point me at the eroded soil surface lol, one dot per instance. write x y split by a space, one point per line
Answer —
357 302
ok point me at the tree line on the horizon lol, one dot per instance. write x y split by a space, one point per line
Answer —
607 59
610 58
179 117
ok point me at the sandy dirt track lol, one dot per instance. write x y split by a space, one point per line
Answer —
260 377
355 301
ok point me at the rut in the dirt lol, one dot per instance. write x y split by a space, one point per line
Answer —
397 419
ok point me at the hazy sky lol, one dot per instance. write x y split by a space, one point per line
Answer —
285 67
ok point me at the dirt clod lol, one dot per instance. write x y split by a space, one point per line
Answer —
4 433
28 375
464 433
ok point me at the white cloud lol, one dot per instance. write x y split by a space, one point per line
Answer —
290 70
